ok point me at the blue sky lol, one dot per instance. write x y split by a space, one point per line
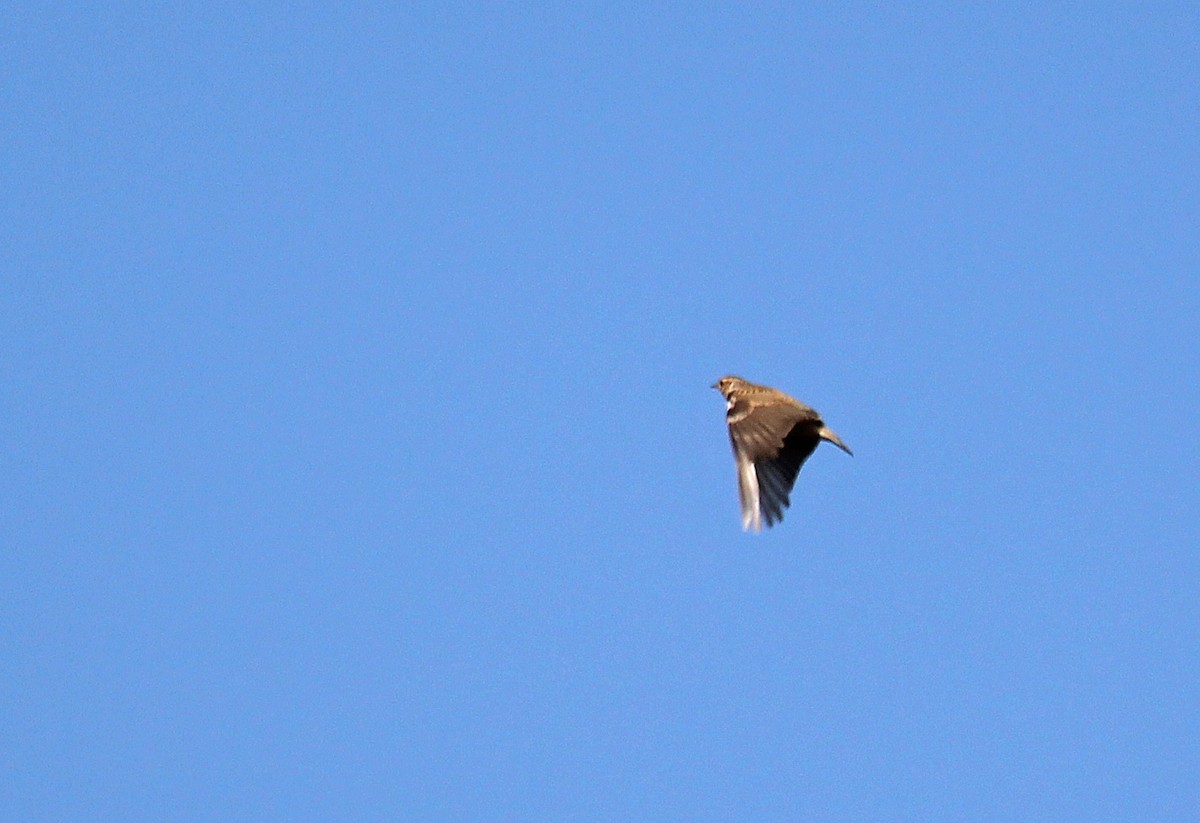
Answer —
360 461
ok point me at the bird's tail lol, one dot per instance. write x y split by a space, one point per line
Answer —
826 433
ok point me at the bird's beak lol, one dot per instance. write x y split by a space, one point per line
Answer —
715 386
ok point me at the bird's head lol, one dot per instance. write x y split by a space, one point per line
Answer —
728 384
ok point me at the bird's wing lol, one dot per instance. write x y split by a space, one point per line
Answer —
777 476
748 492
770 443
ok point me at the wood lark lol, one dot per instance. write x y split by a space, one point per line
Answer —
772 435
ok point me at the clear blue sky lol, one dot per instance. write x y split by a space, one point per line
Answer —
359 457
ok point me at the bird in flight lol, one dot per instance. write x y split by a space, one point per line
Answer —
772 435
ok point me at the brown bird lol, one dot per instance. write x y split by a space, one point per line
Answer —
772 435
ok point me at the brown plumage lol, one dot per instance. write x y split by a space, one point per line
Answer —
772 435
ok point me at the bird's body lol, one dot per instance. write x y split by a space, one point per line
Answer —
772 435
